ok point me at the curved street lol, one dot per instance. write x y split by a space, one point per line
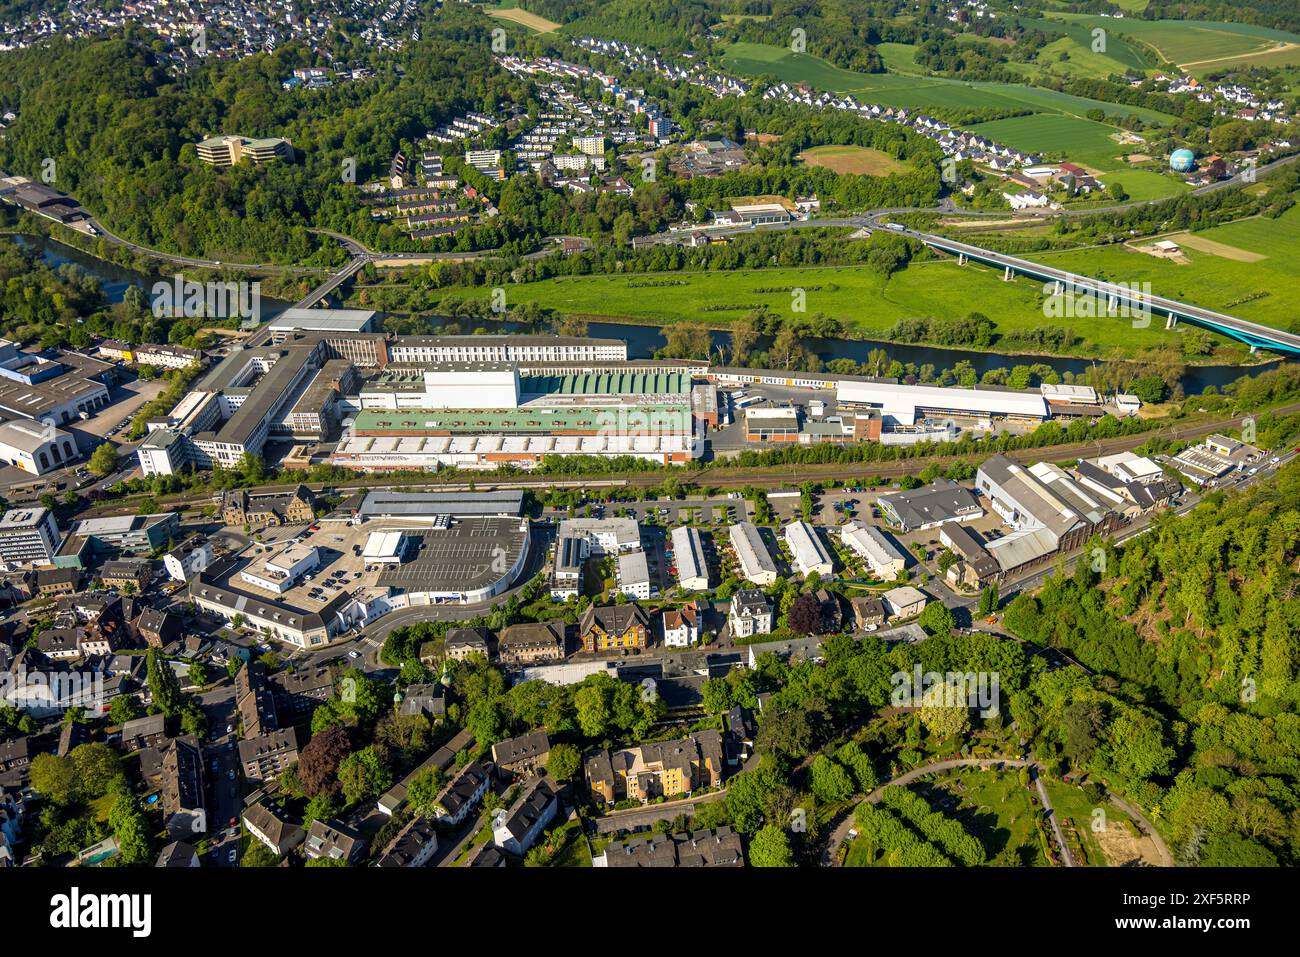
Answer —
841 831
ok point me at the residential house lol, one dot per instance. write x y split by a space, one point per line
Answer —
868 612
264 757
158 627
238 507
531 642
147 732
614 627
904 602
657 769
682 626
184 804
750 614
716 848
178 854
516 828
127 574
414 845
335 841
524 754
274 827
466 789
254 700
461 643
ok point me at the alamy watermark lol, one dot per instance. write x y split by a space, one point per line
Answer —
1121 300
977 690
216 300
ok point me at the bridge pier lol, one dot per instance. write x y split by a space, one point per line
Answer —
1006 274
961 259
1171 321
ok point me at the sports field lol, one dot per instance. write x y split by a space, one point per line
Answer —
1196 43
916 92
853 160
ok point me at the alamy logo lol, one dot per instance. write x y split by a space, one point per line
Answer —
918 688
215 300
74 911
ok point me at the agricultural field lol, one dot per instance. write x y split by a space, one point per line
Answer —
510 10
1262 291
1196 44
916 92
853 160
1087 143
866 303
1119 56
1082 141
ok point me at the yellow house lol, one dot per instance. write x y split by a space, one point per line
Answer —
614 627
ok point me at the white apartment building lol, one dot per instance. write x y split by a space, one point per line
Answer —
634 575
28 536
869 543
688 553
604 536
810 555
756 564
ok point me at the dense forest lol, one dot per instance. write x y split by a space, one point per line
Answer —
1192 637
121 131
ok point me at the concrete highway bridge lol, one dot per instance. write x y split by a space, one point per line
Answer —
1114 297
318 294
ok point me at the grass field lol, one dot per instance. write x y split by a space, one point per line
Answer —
1264 291
1193 42
1087 143
1077 44
915 92
991 805
509 10
862 300
857 160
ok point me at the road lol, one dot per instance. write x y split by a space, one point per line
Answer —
768 477
638 817
869 218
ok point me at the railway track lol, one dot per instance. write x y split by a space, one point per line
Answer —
773 476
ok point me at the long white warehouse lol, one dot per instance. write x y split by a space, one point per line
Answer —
756 563
906 404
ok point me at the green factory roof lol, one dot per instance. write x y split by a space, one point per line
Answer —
607 383
645 419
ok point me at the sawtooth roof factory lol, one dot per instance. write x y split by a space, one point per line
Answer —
396 550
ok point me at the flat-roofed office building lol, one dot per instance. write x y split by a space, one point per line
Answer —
28 536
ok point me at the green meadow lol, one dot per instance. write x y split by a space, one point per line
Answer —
1191 42
863 301
915 92
1264 291
867 304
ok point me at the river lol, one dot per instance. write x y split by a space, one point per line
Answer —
643 341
